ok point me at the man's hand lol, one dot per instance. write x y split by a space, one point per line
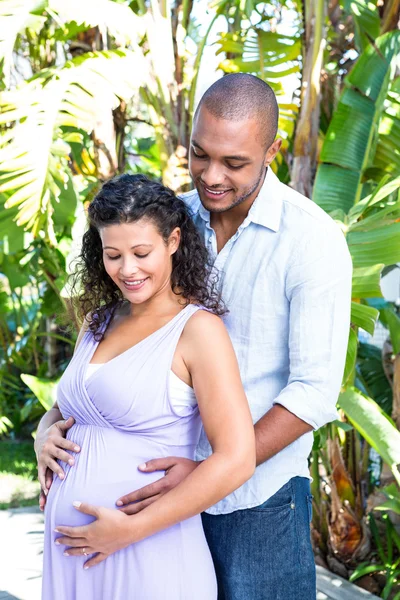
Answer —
48 478
111 531
50 446
176 470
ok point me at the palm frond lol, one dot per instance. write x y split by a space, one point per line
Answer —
15 17
34 157
115 18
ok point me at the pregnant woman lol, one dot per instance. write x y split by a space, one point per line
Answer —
152 358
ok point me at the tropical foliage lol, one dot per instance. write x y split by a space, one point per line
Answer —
97 87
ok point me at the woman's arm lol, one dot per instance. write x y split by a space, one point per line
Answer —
211 361
50 443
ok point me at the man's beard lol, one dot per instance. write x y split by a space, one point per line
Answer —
243 197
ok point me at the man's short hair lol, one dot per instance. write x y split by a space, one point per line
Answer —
240 96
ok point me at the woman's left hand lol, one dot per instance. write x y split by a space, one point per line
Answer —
111 531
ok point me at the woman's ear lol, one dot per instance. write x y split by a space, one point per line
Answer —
174 240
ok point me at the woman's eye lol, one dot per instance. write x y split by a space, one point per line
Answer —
142 255
112 257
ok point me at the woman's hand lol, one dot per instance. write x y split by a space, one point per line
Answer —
111 531
51 445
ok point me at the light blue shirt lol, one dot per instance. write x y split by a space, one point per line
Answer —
286 280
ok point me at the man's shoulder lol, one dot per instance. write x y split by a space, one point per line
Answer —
310 227
298 205
305 217
192 200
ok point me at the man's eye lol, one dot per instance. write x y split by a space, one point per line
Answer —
236 167
198 155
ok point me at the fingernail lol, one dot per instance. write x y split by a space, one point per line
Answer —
76 449
71 462
57 543
142 467
65 553
119 503
61 475
76 503
86 568
45 492
57 531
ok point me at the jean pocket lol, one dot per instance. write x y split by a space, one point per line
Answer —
310 499
282 500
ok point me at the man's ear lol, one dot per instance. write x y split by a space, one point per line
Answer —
272 151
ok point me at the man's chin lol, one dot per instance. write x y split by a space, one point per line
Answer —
213 206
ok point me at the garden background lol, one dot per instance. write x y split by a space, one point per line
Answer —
92 88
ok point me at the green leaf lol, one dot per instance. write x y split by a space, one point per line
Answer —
55 98
343 425
378 246
392 322
373 424
45 390
364 316
117 18
351 355
366 282
350 141
392 504
365 569
366 20
371 378
334 187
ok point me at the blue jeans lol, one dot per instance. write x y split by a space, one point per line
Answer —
265 553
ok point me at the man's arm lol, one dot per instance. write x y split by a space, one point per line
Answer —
277 429
319 291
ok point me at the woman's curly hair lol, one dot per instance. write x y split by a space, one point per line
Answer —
127 199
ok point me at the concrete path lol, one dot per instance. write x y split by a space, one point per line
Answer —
21 552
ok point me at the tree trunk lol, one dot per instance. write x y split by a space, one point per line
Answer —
306 139
391 16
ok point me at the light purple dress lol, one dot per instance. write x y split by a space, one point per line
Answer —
123 418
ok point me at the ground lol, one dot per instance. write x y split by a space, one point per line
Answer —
18 475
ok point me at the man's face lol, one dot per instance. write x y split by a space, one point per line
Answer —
227 161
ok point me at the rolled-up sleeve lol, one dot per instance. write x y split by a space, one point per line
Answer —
318 287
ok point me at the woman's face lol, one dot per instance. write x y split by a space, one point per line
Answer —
137 259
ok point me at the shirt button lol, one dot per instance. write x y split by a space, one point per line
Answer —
292 505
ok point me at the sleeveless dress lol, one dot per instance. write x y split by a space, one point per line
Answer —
124 417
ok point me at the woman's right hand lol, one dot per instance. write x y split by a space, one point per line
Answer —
50 446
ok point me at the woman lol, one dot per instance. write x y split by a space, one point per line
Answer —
152 358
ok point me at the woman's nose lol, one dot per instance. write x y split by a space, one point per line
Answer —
129 268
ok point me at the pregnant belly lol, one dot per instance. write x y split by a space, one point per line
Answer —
105 469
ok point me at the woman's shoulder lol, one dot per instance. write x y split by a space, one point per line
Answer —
204 324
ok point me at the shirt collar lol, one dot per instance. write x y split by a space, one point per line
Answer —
266 209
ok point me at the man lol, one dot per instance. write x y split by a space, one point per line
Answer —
286 279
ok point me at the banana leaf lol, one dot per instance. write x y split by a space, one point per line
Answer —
374 425
351 138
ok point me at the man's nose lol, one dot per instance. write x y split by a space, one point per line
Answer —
213 175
